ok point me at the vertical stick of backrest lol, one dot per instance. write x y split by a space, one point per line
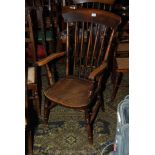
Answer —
88 49
96 38
67 52
87 6
99 6
49 75
101 46
81 47
89 43
63 3
110 8
109 45
93 4
75 47
104 6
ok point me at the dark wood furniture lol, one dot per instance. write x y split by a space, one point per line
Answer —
90 33
31 69
123 41
121 59
120 67
121 8
32 112
43 27
31 121
32 87
30 46
28 131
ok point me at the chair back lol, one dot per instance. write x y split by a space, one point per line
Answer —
90 33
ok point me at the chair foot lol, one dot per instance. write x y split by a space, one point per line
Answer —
45 126
90 140
90 134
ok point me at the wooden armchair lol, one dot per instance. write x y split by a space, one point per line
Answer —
89 38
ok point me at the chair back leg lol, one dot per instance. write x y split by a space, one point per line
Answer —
46 111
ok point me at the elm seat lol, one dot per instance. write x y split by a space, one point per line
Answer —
70 94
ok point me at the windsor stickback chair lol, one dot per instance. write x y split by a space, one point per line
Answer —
89 40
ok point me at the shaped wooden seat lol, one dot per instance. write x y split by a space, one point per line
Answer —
70 94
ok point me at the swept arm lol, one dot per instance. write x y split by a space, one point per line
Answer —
99 70
49 58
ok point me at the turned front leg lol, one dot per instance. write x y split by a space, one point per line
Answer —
89 127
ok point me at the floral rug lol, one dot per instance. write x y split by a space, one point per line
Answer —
66 133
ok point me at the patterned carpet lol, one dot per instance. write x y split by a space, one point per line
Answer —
66 133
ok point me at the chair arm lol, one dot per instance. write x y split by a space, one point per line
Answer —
97 71
49 58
